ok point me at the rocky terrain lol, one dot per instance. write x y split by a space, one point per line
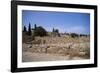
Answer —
56 48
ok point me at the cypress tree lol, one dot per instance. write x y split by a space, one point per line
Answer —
35 26
53 30
29 30
25 29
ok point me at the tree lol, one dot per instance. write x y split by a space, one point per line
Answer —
24 30
35 26
29 30
73 35
57 31
53 30
40 31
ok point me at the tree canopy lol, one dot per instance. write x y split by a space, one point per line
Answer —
40 31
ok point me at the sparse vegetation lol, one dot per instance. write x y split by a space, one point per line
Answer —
55 32
73 35
70 45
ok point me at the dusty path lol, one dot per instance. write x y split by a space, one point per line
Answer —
34 57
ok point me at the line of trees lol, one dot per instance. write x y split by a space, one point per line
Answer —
37 31
55 32
29 32
40 31
73 35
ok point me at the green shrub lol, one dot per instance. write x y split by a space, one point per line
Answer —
40 31
73 35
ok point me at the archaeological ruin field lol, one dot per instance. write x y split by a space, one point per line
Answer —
49 48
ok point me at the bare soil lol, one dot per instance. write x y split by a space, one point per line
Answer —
56 48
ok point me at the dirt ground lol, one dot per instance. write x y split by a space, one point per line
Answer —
35 57
57 48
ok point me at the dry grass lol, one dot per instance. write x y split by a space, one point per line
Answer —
62 46
73 48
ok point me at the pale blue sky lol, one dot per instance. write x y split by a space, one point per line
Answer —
64 21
